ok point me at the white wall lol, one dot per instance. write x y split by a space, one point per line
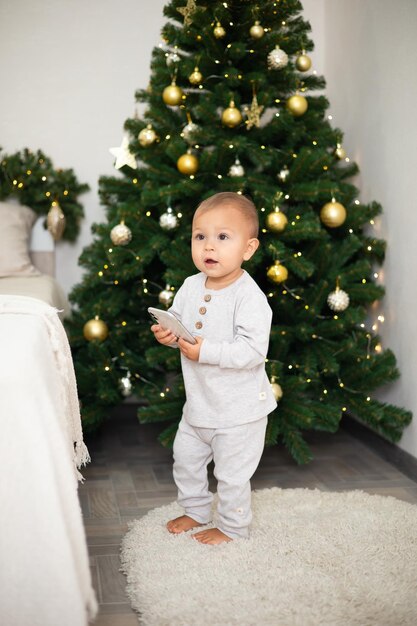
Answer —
68 74
69 71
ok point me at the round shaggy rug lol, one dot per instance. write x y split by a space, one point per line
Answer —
313 559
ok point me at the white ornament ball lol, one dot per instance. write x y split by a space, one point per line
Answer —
189 132
236 169
120 234
125 385
277 59
338 300
166 296
168 220
172 58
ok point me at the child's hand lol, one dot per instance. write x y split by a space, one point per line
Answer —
164 336
190 350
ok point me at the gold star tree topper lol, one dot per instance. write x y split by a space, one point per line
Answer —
188 11
253 113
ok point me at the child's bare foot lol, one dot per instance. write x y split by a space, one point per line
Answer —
211 536
182 524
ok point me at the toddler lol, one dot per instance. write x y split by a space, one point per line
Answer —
228 395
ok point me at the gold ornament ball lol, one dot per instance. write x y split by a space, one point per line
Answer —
276 221
196 77
277 391
231 116
333 214
95 329
340 152
172 95
303 63
187 164
297 104
147 136
219 31
257 31
277 273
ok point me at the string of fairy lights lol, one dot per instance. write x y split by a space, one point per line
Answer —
333 214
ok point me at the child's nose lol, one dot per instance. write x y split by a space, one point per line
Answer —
209 244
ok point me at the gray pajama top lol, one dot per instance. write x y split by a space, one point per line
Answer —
228 386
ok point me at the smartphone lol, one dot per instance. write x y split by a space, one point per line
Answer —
170 322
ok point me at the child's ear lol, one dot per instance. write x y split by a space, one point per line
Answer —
252 246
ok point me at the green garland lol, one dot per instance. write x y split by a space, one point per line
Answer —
32 178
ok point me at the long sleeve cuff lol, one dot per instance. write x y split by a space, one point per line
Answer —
210 353
236 355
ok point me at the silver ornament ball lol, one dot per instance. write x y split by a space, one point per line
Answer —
168 220
125 385
338 300
120 234
172 58
236 169
277 59
166 296
189 131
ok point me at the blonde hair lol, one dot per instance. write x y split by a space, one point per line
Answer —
237 201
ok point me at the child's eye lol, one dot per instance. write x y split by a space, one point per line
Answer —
199 237
223 236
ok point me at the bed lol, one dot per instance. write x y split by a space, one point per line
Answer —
45 578
27 257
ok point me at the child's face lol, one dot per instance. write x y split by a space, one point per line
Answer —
221 241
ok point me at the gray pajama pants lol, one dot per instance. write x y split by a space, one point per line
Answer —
236 452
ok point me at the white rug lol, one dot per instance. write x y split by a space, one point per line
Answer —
313 559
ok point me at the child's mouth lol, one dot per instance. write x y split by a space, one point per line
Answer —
210 262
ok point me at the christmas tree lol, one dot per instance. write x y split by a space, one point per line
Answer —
31 178
231 107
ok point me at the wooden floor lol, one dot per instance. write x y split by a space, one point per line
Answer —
131 473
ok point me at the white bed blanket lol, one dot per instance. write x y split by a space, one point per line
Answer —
44 573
